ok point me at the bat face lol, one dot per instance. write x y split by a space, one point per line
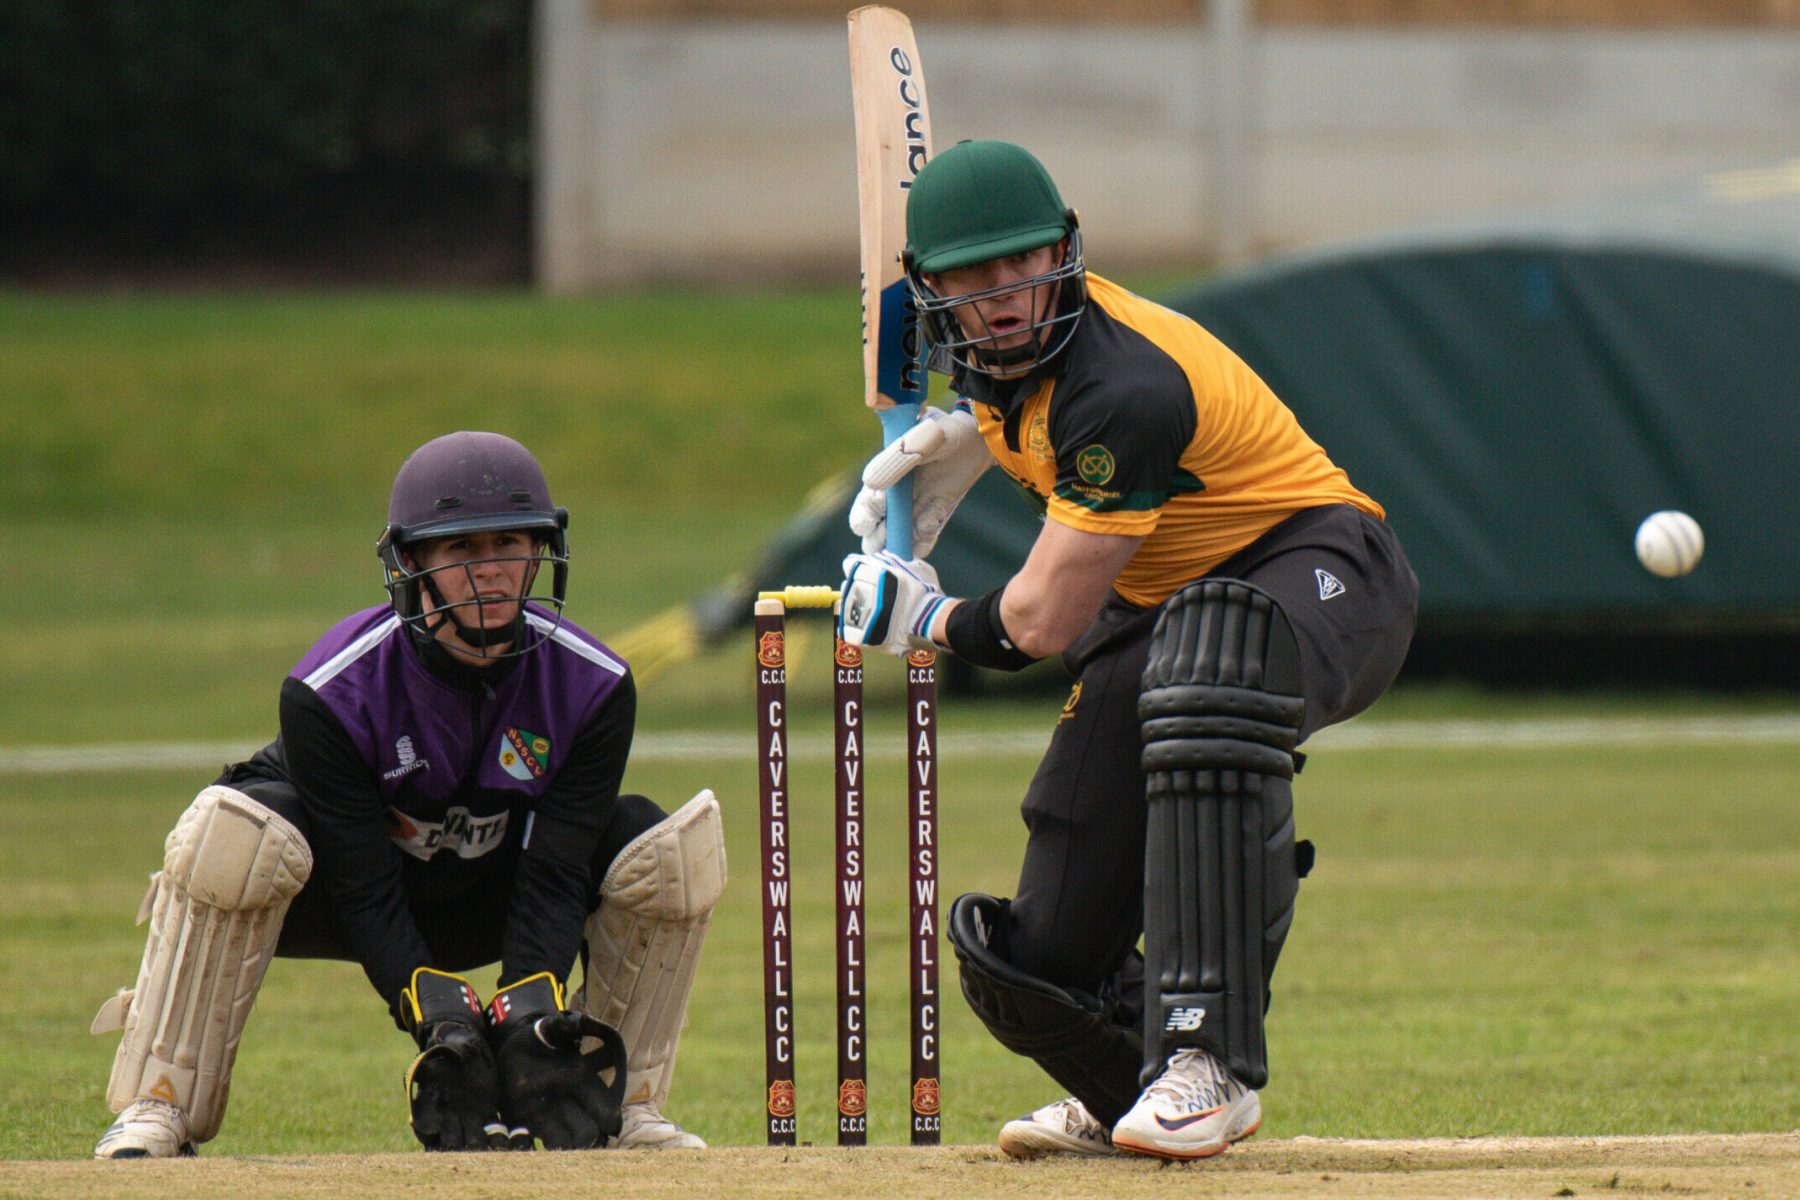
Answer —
893 142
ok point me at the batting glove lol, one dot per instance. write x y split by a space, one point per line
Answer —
452 1086
945 454
889 602
548 1084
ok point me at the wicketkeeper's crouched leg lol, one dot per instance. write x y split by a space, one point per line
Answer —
643 944
231 866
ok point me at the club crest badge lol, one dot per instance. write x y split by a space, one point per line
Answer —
925 1097
781 1098
1095 465
1069 705
525 756
771 650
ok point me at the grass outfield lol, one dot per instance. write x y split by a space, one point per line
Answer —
1575 939
1583 940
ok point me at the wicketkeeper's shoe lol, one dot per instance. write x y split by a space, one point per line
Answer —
1065 1127
146 1129
646 1129
1195 1109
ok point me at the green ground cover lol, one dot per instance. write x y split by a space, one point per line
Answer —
1582 939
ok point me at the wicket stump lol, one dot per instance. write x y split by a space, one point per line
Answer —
773 738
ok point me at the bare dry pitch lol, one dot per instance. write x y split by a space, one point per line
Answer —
1749 1166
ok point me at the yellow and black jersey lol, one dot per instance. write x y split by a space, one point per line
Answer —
1147 425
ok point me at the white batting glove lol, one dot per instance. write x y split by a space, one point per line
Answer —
889 602
945 454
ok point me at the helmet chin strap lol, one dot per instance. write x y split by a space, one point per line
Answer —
1018 357
476 637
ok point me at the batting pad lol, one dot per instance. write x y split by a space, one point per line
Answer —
1221 708
231 866
644 940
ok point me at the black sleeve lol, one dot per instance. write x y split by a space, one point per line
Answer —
555 887
1119 439
353 857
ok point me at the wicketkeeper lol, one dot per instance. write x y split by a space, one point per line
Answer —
444 793
1220 591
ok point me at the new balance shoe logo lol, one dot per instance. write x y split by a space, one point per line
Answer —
1183 1020
1329 585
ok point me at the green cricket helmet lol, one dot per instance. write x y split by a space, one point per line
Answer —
469 483
978 201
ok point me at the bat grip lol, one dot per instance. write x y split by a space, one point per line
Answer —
895 422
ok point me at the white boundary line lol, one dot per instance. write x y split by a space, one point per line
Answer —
1601 732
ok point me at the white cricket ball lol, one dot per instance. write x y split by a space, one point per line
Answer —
1670 543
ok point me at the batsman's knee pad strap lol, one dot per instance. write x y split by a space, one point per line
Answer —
1221 708
644 940
1070 1037
231 867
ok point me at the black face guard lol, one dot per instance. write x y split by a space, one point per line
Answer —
528 630
979 351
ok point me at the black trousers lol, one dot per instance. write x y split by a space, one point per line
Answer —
463 932
1078 911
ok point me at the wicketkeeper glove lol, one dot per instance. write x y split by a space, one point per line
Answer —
945 454
889 602
452 1086
548 1084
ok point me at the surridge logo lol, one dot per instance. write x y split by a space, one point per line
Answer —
408 758
1329 585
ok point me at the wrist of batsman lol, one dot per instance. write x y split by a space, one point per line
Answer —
975 633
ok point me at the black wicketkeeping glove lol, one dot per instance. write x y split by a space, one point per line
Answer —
451 1088
547 1085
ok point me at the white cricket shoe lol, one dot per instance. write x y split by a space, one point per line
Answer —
646 1129
1066 1127
1195 1109
146 1129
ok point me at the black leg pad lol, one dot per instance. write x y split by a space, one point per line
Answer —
1067 1034
1221 708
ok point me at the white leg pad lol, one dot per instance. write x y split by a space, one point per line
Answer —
644 940
231 866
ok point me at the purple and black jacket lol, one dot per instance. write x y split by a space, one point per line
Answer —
424 781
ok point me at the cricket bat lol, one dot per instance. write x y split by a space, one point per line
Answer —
893 141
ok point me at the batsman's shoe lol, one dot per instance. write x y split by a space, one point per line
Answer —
1066 1127
1195 1109
147 1129
645 1128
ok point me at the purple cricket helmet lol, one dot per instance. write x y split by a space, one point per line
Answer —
463 483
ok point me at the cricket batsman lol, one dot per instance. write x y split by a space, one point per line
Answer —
444 793
1219 589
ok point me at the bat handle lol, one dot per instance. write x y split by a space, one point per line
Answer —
895 422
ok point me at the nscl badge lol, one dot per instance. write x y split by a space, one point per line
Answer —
524 756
